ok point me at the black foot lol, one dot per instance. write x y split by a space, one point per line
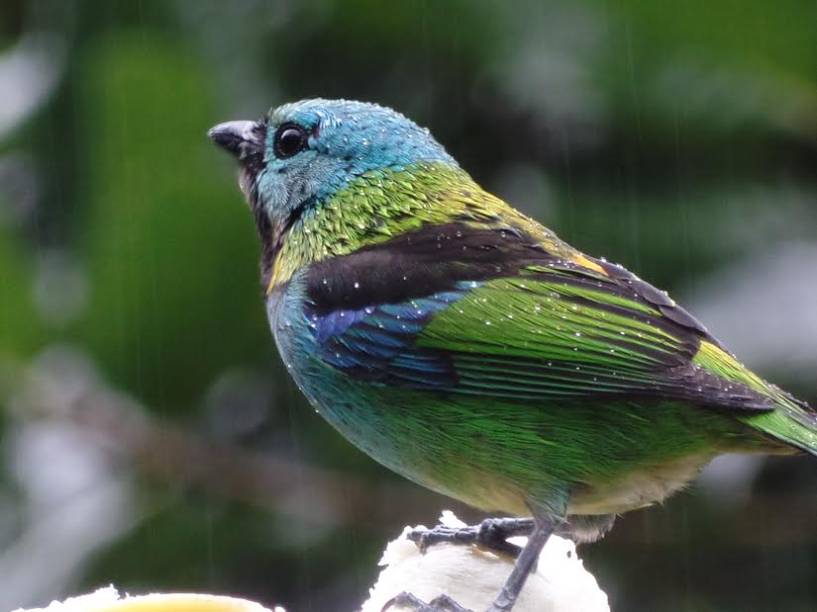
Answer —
442 603
490 533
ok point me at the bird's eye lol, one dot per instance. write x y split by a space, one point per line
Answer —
290 139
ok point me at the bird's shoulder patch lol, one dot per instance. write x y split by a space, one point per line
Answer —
432 259
591 264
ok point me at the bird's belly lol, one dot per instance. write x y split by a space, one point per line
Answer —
639 488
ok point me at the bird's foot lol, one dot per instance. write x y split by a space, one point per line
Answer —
441 603
491 534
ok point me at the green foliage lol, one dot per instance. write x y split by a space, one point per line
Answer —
20 329
168 241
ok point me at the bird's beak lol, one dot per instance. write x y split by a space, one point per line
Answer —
244 139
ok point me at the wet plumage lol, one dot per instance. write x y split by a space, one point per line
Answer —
467 347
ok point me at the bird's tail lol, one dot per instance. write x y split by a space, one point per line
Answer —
792 422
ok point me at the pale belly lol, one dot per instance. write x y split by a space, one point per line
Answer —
639 488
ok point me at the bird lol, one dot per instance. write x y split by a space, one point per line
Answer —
465 346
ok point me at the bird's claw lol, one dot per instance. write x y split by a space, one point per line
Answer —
494 533
442 533
491 534
441 603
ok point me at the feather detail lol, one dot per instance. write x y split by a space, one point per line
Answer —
490 312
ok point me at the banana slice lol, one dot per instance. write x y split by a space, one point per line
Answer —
109 600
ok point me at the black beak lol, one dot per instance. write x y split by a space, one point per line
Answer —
244 139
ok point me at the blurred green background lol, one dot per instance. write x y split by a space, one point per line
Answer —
150 437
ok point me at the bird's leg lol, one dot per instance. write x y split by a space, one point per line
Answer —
441 603
491 534
524 564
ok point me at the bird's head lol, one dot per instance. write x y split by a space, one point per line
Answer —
301 154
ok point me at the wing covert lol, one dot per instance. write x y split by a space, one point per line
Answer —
488 311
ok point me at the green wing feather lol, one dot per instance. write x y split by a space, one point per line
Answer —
563 331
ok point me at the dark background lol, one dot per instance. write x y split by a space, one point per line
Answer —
150 437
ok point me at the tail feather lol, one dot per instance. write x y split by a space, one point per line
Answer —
793 422
790 421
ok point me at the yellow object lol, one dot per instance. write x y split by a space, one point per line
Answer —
108 600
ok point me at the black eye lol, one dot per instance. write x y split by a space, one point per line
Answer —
289 140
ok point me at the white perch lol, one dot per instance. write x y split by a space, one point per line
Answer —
474 577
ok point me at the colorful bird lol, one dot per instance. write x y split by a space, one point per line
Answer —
465 346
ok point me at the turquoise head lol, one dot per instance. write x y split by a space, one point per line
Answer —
302 153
